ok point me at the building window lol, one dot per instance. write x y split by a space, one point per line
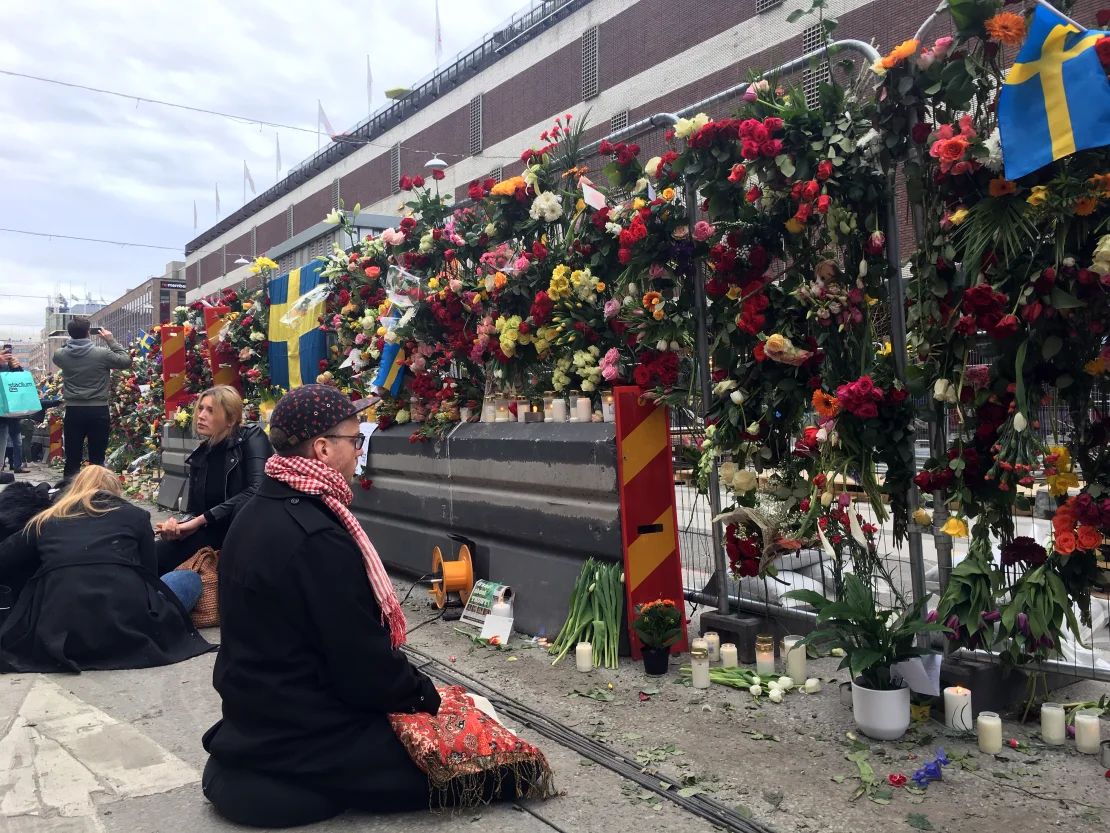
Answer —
288 222
476 144
497 174
812 80
254 242
591 84
762 6
813 39
618 122
395 169
335 193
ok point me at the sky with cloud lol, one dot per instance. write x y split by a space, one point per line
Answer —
90 165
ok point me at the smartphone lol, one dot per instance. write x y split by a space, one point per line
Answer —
94 331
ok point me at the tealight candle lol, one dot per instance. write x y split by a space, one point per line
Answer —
583 409
957 708
607 407
559 410
584 657
713 642
1088 731
502 414
764 654
729 656
504 609
699 664
795 658
989 729
1053 730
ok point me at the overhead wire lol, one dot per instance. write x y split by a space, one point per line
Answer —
91 239
338 138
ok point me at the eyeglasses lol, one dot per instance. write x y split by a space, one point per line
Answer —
358 439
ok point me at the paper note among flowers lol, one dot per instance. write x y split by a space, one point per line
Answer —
921 674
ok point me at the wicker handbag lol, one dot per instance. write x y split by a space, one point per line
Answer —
205 563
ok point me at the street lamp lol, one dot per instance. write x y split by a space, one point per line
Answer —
242 261
435 164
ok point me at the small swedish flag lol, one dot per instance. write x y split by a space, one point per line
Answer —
1056 97
391 371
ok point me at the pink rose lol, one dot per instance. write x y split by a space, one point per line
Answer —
703 230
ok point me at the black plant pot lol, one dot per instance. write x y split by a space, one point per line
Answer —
656 661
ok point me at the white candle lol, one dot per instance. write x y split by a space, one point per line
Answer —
989 729
957 708
502 414
1088 731
729 656
521 410
489 412
713 642
584 657
607 409
559 410
505 609
1053 731
795 658
464 414
764 655
699 664
583 409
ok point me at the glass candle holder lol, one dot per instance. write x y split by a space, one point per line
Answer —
764 654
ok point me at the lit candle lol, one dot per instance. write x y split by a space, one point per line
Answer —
559 410
607 409
583 409
1053 731
795 658
584 657
729 656
489 412
713 642
505 609
989 729
957 708
699 664
502 414
764 654
1088 731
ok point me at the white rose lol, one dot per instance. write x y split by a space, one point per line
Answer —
813 685
775 695
727 472
721 388
944 391
744 481
755 690
652 168
614 229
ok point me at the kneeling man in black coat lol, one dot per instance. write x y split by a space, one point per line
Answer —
308 668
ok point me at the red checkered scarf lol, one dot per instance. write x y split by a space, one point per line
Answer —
316 478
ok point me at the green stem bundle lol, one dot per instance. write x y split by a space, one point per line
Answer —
595 614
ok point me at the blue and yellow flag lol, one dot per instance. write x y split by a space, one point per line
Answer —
391 372
146 341
1056 97
296 347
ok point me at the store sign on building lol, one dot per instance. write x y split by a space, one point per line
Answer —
173 284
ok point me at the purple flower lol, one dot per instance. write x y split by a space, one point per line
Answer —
1023 550
750 94
1071 731
931 616
991 615
612 307
1023 624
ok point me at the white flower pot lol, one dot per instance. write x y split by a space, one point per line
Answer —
883 715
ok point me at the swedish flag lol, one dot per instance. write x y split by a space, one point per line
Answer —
391 372
146 341
296 348
1056 97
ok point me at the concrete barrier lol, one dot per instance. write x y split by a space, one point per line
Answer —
177 444
536 499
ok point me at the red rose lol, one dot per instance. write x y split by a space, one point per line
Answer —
771 148
475 191
1007 326
824 170
760 352
438 174
803 212
753 195
405 183
823 204
418 181
897 779
810 190
773 123
750 149
449 255
408 224
737 173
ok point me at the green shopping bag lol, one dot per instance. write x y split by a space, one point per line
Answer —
18 395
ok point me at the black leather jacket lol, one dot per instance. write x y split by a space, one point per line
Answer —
248 449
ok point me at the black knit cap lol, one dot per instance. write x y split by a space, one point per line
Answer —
309 411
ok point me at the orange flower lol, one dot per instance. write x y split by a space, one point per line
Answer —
508 187
1065 542
899 53
1001 187
1085 206
827 405
950 150
651 299
499 280
1101 182
1007 28
1089 537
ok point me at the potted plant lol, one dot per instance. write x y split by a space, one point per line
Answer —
873 639
658 625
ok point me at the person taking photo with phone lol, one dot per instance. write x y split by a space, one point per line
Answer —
11 427
86 377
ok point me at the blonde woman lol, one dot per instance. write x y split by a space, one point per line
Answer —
93 600
224 471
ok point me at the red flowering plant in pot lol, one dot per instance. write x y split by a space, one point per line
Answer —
658 626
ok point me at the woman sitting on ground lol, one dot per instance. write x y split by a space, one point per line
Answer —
93 601
224 471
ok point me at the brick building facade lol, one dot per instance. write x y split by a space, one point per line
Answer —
613 62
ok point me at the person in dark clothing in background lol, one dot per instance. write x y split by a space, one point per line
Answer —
224 471
87 373
93 600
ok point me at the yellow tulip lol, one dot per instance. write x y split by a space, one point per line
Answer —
956 527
